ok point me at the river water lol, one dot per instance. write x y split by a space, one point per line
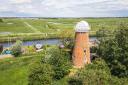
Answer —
43 42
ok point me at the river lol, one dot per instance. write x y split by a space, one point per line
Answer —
43 42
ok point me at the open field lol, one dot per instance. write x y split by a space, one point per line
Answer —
15 71
16 28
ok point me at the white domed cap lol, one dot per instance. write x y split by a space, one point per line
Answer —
82 26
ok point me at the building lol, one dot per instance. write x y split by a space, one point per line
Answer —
81 51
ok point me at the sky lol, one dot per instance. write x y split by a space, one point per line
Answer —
63 8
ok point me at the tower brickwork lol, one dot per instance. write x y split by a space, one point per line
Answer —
81 51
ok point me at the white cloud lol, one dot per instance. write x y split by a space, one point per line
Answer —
67 8
24 8
3 8
20 1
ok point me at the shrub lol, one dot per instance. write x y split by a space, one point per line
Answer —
60 60
55 65
115 51
1 48
31 49
94 74
17 48
1 20
93 49
68 43
45 47
41 74
75 81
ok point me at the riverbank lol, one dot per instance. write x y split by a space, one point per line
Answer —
35 36
55 41
12 29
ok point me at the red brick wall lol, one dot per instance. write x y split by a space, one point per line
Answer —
80 56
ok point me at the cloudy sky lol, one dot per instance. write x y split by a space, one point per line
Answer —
63 8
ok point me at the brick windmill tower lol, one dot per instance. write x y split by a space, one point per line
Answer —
81 51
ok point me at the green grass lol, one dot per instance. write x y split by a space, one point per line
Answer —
15 71
49 25
56 27
16 26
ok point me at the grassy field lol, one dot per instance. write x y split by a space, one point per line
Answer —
51 25
16 28
15 71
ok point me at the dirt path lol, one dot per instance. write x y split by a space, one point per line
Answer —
6 56
32 28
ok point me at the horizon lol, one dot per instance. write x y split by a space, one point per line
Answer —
63 17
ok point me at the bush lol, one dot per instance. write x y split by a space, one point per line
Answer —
68 43
45 47
75 81
115 51
60 60
41 74
93 49
30 49
55 65
96 73
1 20
1 48
17 48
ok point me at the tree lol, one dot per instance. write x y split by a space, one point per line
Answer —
41 74
1 20
104 33
97 73
68 42
1 48
115 51
60 60
17 48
